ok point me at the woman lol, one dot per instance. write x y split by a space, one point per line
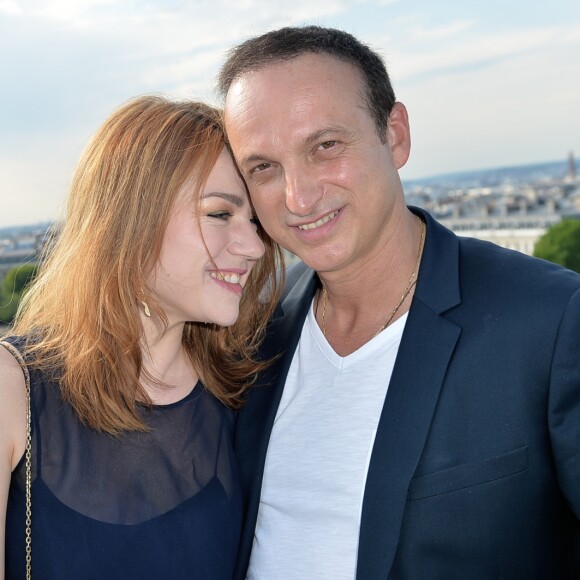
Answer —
140 337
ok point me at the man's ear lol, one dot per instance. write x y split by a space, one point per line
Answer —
399 135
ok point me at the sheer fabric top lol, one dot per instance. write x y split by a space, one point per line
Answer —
161 504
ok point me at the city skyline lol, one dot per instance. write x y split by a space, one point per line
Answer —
486 86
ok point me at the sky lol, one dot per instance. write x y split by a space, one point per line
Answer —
487 84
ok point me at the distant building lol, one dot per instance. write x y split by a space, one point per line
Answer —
517 232
571 167
513 213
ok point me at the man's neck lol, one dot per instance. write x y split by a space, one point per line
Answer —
351 308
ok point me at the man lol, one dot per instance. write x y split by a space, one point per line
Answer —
422 419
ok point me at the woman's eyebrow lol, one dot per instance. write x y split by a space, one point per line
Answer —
231 197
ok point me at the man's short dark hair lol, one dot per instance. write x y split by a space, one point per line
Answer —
291 42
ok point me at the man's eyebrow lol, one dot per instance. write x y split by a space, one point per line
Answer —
326 132
231 197
250 159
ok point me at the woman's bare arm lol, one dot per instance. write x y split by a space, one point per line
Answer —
12 431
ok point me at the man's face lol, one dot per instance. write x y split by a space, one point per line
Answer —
324 185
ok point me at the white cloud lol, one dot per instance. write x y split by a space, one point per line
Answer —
450 29
203 15
10 7
473 50
386 2
72 12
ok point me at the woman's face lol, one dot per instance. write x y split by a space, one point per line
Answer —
197 281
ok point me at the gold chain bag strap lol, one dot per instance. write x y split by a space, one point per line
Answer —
27 457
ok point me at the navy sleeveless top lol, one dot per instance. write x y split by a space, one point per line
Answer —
164 504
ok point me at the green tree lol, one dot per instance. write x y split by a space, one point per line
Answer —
561 244
19 277
15 283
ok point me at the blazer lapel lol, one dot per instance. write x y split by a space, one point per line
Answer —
425 351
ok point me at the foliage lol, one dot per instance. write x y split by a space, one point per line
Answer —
561 244
15 283
19 277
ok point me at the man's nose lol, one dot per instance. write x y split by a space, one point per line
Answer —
303 191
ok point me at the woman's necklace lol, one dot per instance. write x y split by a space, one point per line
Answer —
411 283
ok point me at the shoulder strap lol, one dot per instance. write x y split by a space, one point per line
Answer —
28 455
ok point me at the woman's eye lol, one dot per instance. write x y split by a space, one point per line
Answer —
220 215
254 220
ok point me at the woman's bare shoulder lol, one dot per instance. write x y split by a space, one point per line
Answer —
12 409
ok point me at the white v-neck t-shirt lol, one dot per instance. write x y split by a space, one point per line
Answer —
318 457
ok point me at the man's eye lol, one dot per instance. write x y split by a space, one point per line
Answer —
261 167
220 215
327 145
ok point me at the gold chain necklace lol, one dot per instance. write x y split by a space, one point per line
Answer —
412 282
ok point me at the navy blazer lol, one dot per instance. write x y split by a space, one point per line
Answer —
475 469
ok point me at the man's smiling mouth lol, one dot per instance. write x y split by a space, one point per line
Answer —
320 222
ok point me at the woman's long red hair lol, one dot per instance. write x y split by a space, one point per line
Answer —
82 312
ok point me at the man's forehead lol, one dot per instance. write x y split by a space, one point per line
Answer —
321 67
295 83
288 102
241 107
